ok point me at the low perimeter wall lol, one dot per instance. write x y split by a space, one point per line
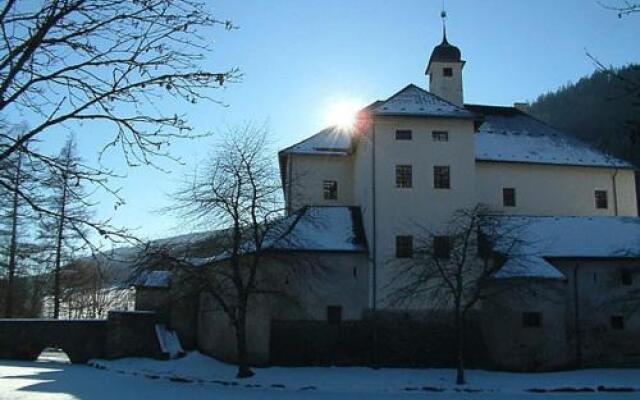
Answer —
383 339
122 334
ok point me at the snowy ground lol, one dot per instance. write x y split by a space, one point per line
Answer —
197 377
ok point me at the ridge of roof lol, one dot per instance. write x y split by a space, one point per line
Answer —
464 113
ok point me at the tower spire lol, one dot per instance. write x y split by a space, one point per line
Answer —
443 15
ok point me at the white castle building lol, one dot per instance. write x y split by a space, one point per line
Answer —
354 198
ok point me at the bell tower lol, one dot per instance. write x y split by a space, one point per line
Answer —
445 69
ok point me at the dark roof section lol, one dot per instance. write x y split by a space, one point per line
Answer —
445 52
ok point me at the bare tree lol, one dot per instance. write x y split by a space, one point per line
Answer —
102 64
628 83
622 8
15 249
239 194
450 268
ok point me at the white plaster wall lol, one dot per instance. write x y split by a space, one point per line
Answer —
308 172
447 87
402 211
554 190
307 282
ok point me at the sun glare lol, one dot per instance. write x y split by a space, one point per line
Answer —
343 113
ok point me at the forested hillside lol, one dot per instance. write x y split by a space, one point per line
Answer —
602 109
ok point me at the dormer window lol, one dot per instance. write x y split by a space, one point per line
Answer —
447 71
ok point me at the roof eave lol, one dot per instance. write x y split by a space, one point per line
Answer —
631 167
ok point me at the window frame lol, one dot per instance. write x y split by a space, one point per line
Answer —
404 246
598 199
407 132
532 319
328 191
404 183
441 180
441 247
440 136
509 200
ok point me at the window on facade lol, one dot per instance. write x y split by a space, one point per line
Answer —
447 71
441 178
601 199
334 314
440 136
617 322
509 197
404 134
404 176
441 247
625 277
404 246
531 319
330 190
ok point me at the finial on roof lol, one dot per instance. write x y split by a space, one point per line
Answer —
443 15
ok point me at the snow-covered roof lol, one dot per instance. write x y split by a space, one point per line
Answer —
330 141
528 267
312 228
414 101
154 279
580 237
530 242
509 135
323 229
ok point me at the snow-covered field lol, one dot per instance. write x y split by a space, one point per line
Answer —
198 377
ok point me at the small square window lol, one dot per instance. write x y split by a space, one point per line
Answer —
617 322
601 199
441 247
626 277
531 319
404 134
404 246
440 136
441 179
330 190
509 197
334 314
404 176
447 71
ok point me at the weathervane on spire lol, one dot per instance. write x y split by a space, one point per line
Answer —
443 15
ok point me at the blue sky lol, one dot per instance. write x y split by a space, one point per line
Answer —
299 57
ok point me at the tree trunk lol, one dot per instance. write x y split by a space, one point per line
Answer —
460 348
244 370
13 247
56 280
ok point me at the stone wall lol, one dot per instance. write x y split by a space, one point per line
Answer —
24 339
123 334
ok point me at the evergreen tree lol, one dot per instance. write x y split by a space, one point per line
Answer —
601 109
63 231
